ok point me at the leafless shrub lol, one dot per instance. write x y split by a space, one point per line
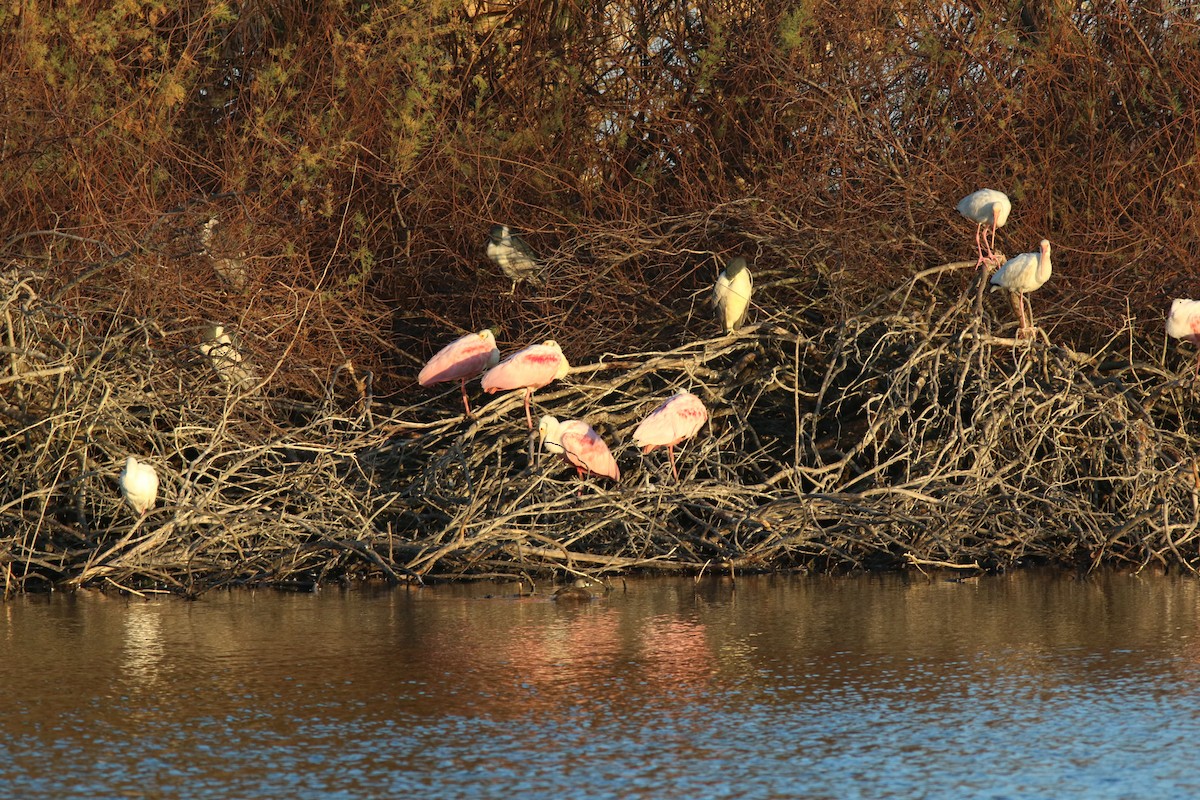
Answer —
910 434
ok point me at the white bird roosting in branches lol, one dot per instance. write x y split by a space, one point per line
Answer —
139 485
1183 322
1023 274
731 295
989 208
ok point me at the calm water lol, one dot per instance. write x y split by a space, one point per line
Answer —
1022 686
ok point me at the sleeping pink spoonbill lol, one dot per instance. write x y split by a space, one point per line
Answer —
989 208
528 369
462 360
139 485
580 445
1184 322
1023 274
678 418
731 295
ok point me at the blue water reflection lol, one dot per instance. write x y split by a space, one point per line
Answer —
1025 686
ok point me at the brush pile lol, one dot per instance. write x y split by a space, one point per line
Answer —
909 434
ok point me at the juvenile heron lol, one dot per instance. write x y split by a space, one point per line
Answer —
512 255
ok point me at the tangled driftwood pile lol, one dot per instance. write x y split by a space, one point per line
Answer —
908 434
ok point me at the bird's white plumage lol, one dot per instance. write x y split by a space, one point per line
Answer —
986 206
1184 320
1026 272
732 293
989 208
139 485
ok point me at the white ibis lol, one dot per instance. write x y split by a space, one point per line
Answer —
1023 274
1184 322
989 208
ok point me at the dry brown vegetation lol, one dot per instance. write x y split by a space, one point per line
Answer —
355 157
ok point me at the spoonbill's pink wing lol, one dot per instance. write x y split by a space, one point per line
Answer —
679 418
531 368
584 448
462 359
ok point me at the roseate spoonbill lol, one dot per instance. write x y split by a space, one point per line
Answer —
989 208
678 418
1023 274
462 360
528 369
1184 322
731 295
580 445
139 485
511 254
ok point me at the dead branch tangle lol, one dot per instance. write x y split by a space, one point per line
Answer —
909 434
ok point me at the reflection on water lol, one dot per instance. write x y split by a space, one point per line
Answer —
1010 686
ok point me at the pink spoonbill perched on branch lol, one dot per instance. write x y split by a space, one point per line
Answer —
989 208
462 360
579 445
1184 322
679 417
528 369
1023 274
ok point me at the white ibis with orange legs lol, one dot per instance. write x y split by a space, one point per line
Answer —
1021 275
1184 322
462 360
580 445
989 208
679 417
528 369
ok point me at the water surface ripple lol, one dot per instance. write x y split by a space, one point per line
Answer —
1017 686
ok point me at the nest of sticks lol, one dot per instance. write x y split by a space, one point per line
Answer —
907 435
